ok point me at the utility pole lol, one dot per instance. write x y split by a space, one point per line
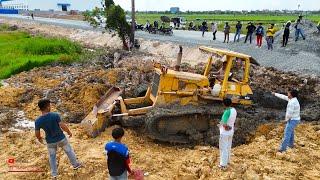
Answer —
133 21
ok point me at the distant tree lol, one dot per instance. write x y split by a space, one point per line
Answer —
115 19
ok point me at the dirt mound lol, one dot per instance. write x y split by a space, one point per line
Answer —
9 96
258 159
311 44
76 88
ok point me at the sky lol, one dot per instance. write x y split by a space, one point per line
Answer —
192 5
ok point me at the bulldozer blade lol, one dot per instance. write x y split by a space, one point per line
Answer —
96 121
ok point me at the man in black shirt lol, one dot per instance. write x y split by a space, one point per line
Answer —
250 29
286 33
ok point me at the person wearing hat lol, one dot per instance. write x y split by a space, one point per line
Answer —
270 35
286 33
260 34
250 29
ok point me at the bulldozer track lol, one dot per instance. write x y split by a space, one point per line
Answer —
188 124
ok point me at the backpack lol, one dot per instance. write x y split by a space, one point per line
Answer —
260 30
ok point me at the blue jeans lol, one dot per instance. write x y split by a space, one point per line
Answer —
288 139
299 32
123 176
270 42
237 36
65 145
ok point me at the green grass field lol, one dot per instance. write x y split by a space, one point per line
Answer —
21 52
266 19
143 17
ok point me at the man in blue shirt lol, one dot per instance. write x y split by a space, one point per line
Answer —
118 156
51 124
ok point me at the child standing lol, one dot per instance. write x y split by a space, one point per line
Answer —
118 156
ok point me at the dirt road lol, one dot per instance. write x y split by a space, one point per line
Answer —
302 57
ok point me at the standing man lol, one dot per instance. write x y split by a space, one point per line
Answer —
51 124
292 118
118 156
214 29
299 29
260 34
226 32
156 25
250 29
147 26
238 31
226 127
204 27
318 27
270 35
286 34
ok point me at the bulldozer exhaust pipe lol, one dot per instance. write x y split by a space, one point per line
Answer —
179 58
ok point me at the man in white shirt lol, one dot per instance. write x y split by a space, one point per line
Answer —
226 128
292 118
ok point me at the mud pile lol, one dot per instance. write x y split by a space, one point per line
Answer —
257 160
267 80
75 89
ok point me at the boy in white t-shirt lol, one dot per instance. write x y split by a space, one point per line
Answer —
226 127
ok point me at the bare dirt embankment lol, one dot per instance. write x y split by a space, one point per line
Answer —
75 88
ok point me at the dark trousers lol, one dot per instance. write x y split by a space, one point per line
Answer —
285 39
214 35
226 37
249 34
270 42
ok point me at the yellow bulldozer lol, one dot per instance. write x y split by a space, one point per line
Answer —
178 107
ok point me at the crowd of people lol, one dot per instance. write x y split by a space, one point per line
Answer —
260 31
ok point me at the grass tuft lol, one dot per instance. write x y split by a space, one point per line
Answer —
21 52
